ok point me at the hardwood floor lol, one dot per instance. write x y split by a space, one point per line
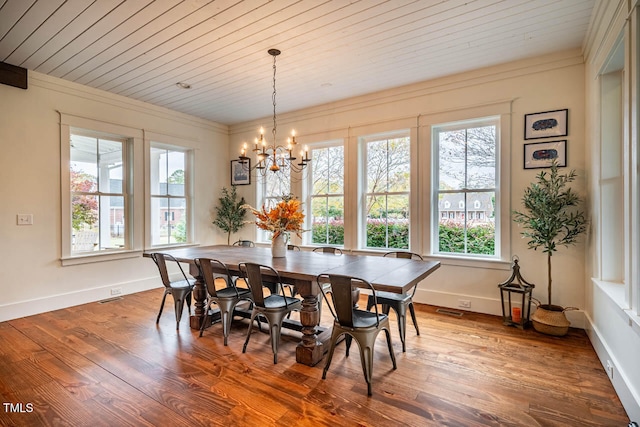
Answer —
108 364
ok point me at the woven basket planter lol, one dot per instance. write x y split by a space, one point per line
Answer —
551 320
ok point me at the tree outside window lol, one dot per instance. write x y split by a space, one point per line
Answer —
387 180
327 195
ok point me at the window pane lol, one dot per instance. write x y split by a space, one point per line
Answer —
451 149
377 166
481 157
112 222
175 172
278 184
327 220
467 223
84 223
84 157
388 222
399 164
110 166
320 167
398 222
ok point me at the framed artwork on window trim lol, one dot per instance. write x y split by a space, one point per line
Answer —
541 154
548 124
241 172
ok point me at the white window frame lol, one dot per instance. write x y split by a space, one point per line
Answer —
132 169
501 110
308 187
165 142
482 121
363 140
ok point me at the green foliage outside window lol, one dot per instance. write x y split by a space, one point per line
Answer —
480 238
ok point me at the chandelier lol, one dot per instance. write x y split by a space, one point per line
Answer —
271 156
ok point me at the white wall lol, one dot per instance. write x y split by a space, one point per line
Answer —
613 325
533 85
31 276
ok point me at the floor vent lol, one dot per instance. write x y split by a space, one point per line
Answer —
449 312
104 301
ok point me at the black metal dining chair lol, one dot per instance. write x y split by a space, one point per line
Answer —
180 289
245 243
274 307
399 302
361 325
225 298
328 250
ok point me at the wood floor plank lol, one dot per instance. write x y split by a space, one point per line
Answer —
110 364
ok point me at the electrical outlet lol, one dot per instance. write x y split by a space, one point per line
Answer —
116 291
25 219
610 369
464 303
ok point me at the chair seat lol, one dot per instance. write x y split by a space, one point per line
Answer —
183 284
231 292
390 297
366 319
278 301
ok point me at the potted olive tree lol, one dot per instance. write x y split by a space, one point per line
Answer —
551 218
230 212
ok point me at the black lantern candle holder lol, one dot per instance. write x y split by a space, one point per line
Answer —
515 290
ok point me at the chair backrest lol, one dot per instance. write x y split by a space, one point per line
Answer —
252 274
161 261
206 267
404 254
328 250
342 297
293 247
247 243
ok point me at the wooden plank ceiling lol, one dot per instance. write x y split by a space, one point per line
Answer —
331 49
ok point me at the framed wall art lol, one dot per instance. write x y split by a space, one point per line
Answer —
542 154
546 125
241 172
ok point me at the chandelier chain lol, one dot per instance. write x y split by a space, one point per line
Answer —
273 98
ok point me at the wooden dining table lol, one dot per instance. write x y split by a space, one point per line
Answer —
300 269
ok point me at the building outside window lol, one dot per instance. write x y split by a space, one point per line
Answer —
169 215
326 195
465 175
98 189
387 170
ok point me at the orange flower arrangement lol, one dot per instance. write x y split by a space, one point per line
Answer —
285 217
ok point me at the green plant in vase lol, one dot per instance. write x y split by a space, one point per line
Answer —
551 218
230 212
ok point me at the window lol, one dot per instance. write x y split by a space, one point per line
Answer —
169 212
98 192
385 219
327 195
272 186
465 169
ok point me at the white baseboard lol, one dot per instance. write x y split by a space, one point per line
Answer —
59 301
483 305
626 392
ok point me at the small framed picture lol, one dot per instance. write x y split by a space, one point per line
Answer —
542 154
546 125
241 172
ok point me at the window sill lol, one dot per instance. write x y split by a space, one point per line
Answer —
615 291
489 263
99 257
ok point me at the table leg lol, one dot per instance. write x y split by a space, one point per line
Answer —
310 350
199 296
